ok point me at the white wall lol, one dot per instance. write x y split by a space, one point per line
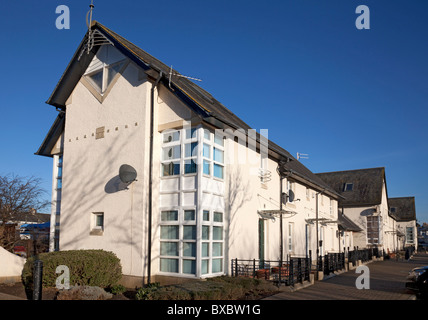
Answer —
11 265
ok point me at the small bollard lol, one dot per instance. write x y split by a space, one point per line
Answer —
37 280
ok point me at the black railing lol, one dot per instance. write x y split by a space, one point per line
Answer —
293 270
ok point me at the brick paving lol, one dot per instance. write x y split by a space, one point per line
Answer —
387 282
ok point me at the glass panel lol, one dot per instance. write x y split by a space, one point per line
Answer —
190 166
189 249
218 217
207 134
218 171
189 232
218 155
207 167
171 153
204 266
169 215
189 266
191 133
218 139
99 221
114 70
171 136
217 249
97 80
217 265
189 215
217 233
205 232
205 249
59 184
170 169
206 215
169 249
169 265
191 150
206 151
169 232
59 175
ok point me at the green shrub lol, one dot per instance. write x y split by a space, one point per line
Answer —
87 267
146 292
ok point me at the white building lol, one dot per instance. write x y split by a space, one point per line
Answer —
207 188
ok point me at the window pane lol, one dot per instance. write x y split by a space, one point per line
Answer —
217 265
218 217
205 232
189 215
170 169
218 171
97 80
218 139
190 166
207 134
99 221
169 249
113 70
218 155
205 249
169 215
206 151
169 265
190 149
191 133
204 266
189 249
189 266
189 232
169 232
59 184
206 215
207 167
217 249
171 136
171 153
217 233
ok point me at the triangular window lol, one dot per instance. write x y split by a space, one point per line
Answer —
103 72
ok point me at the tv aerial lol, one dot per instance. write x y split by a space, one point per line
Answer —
127 174
171 73
302 156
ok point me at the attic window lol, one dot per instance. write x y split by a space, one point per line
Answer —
102 78
348 187
393 209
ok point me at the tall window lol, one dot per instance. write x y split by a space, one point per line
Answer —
409 235
213 155
178 241
59 174
373 229
212 242
290 236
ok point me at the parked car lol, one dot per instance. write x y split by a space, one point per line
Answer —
417 281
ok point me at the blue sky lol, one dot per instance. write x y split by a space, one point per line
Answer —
349 98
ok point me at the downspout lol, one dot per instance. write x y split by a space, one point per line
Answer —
149 233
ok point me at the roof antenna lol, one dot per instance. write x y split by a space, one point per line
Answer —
89 23
302 156
178 75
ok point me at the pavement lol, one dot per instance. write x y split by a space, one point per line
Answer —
386 282
4 296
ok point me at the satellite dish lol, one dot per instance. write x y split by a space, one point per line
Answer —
127 174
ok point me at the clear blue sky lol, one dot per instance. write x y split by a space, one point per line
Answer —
349 98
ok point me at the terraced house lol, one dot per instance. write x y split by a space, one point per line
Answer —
205 187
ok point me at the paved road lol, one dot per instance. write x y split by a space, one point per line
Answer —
387 282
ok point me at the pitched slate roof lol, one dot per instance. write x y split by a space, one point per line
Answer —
405 209
347 224
202 102
367 185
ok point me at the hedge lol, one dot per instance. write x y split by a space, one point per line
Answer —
87 267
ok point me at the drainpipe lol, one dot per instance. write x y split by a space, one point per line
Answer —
316 220
149 240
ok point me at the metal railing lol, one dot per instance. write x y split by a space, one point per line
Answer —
293 270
